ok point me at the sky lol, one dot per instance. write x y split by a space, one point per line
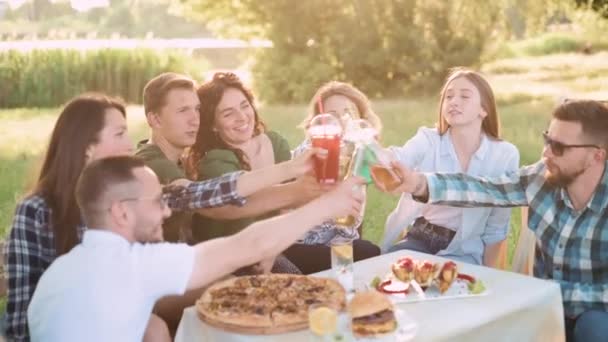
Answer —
79 5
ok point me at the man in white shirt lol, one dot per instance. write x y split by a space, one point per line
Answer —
104 288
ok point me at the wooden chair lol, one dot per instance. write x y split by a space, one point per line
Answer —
523 257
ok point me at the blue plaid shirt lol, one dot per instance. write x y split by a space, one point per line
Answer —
30 247
572 246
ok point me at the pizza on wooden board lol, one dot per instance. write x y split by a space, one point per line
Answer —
267 304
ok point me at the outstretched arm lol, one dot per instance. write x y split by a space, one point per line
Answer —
460 190
276 197
232 188
265 239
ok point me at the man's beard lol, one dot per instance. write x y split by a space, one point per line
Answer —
560 179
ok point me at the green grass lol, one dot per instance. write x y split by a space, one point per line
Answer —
526 91
551 43
20 153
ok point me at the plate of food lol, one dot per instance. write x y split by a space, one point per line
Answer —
412 280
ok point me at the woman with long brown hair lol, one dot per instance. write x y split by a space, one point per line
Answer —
47 222
233 137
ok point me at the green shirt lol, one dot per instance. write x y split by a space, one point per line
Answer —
166 170
221 161
177 226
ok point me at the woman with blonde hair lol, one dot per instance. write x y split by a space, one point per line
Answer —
339 98
312 253
466 139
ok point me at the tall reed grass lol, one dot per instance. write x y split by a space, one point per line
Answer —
46 78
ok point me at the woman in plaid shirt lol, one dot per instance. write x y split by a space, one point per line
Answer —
47 222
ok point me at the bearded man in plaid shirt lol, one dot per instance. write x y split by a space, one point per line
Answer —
567 195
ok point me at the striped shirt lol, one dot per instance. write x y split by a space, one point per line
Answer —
572 245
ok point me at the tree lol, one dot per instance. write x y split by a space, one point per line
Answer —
385 47
600 6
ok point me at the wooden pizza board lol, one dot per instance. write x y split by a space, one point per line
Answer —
251 330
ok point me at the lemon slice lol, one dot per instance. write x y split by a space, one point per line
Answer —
343 251
323 320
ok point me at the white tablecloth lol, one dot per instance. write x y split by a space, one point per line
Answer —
516 308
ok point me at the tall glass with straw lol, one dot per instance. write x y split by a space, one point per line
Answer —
325 132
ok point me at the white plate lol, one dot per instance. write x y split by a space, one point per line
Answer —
459 289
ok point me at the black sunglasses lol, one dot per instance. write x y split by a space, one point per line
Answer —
559 148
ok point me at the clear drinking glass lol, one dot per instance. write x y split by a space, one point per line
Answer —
342 265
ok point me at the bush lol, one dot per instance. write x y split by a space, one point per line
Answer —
550 44
45 78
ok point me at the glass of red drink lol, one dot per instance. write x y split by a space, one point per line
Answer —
325 132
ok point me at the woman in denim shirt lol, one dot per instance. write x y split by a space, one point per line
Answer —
467 139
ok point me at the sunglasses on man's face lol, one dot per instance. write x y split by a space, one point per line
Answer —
558 148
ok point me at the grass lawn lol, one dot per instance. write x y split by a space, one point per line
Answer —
526 89
20 153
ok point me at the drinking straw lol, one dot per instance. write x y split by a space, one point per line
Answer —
320 102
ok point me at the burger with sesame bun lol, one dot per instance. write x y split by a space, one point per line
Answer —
372 314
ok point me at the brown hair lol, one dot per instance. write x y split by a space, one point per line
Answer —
156 90
352 93
490 124
592 115
77 128
210 94
98 178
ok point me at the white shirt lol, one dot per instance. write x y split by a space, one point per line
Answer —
428 151
104 288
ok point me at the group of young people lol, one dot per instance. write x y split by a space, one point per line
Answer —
108 246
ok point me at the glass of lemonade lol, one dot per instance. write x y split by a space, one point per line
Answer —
342 264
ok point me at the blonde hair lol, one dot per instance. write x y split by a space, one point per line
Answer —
490 124
332 88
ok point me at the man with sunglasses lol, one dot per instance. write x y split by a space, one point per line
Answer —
567 195
105 287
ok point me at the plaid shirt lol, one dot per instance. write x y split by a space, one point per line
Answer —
572 246
30 247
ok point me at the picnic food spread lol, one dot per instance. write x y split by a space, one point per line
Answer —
267 304
372 313
406 271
